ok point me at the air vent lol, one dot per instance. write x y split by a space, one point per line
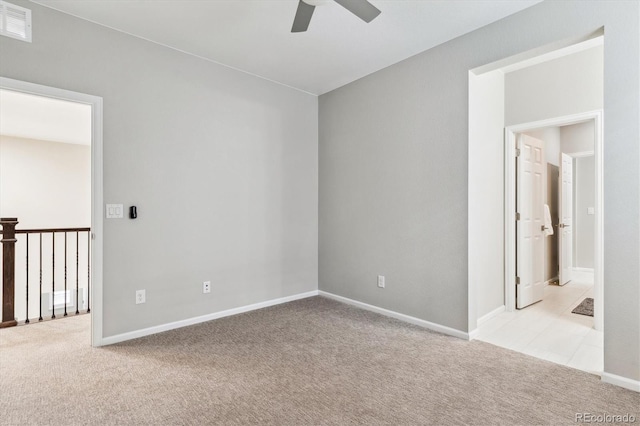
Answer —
15 21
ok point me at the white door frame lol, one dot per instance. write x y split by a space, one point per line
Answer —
96 187
566 244
510 202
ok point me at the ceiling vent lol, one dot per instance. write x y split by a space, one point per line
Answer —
15 21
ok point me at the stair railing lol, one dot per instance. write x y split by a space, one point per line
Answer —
65 289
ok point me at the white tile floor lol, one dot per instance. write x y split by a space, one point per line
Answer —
549 330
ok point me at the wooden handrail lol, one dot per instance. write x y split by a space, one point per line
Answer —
8 271
47 230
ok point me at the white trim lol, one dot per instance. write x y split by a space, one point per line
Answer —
509 221
510 197
579 154
96 186
578 269
473 334
565 120
623 382
598 261
486 317
402 317
555 54
539 51
204 318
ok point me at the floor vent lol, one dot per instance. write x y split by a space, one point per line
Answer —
15 21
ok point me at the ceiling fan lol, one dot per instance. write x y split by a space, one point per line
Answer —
361 8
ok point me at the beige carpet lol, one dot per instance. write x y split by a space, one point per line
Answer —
309 362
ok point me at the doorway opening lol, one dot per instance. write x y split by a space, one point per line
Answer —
581 149
573 284
508 100
52 139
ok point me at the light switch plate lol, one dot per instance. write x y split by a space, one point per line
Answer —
114 211
591 210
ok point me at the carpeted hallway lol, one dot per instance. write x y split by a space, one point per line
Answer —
309 362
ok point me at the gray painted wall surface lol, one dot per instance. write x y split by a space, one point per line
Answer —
580 139
222 166
393 172
584 169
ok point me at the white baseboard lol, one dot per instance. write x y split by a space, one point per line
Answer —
497 311
623 382
402 317
473 334
577 269
196 320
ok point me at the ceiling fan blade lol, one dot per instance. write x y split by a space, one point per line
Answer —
361 8
303 17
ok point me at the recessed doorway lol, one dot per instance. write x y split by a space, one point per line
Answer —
57 295
507 99
547 327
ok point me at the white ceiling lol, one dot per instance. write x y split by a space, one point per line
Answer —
36 117
254 35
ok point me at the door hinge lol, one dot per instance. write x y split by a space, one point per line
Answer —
517 280
517 216
517 152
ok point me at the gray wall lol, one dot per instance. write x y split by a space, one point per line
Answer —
222 166
584 176
394 162
580 139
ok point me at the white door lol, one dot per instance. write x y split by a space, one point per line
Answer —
530 237
566 213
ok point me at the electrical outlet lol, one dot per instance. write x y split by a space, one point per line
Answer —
381 281
141 296
206 287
